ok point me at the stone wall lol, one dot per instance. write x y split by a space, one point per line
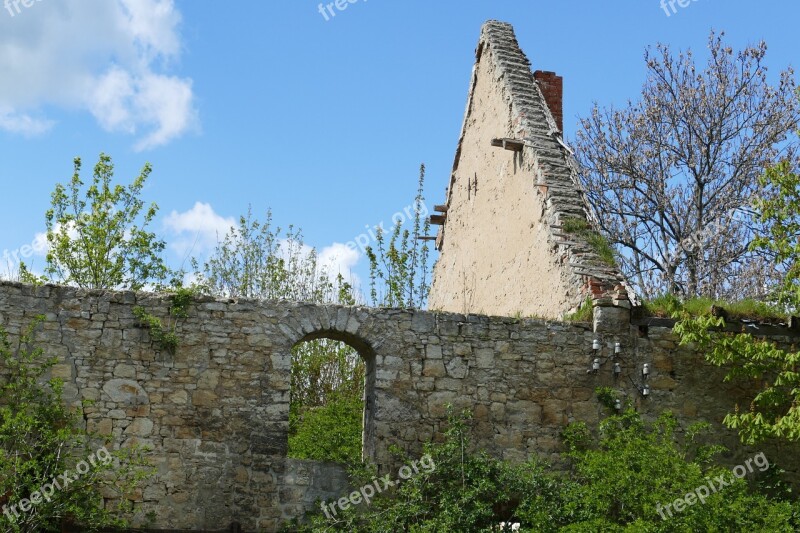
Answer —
216 412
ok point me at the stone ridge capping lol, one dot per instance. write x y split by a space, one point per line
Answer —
586 274
782 332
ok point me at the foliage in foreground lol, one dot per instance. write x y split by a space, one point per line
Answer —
615 484
41 440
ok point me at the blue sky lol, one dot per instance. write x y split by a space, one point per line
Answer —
269 104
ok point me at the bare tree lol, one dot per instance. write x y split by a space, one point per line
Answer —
670 178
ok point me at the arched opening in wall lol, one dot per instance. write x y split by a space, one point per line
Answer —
331 401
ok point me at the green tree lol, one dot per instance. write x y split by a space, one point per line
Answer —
41 440
256 260
400 268
669 178
768 370
98 237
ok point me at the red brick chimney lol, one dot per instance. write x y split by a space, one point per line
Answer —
552 87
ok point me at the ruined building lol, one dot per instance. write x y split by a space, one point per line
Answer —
504 247
216 411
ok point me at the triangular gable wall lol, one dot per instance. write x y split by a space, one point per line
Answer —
503 247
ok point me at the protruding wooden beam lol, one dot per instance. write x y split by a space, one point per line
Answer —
440 208
515 145
438 220
427 238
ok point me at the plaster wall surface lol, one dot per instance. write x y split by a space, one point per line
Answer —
496 258
504 249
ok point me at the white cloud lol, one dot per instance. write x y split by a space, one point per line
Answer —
340 259
112 100
23 124
39 245
111 58
152 23
197 230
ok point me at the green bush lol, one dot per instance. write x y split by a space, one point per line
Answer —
42 440
617 482
626 480
331 432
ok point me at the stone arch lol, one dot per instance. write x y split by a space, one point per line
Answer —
340 324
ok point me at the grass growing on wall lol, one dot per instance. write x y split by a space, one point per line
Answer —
665 306
585 313
600 245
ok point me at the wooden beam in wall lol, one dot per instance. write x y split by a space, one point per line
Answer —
515 145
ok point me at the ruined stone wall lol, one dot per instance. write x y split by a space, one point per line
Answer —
216 413
513 185
496 244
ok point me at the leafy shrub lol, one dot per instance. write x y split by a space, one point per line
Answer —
41 440
330 432
617 482
625 481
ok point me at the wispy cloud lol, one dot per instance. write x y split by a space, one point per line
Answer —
23 124
111 58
